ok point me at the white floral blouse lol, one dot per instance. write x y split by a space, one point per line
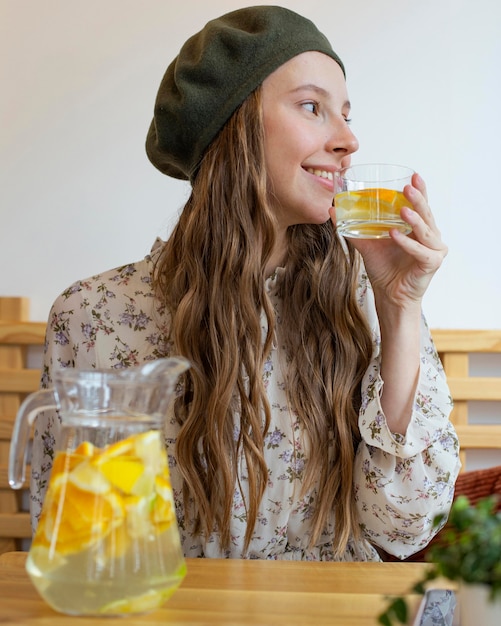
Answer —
113 320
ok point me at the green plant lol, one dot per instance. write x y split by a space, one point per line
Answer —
467 550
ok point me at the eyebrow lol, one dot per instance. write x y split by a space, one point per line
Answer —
320 90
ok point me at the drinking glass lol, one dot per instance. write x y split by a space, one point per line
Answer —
368 199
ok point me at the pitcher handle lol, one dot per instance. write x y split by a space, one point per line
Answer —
18 453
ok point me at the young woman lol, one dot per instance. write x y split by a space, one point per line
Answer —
313 423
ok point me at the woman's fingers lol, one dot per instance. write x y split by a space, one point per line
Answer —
425 245
419 184
420 216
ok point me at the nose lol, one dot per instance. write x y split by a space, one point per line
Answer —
342 140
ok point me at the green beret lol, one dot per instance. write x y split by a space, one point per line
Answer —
215 71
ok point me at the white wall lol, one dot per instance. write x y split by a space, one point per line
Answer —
78 80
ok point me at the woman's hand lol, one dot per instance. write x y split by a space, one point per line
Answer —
400 268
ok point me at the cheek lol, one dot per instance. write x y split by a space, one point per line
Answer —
276 153
286 145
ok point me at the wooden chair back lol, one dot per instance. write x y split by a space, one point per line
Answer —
17 379
456 349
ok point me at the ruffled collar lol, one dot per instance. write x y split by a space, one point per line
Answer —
273 282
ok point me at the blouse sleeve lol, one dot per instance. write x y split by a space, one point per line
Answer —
61 351
403 482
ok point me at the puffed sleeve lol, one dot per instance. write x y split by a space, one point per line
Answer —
63 349
403 482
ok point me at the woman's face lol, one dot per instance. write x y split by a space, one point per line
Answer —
307 136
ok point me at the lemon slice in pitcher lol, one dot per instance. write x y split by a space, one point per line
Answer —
137 604
122 472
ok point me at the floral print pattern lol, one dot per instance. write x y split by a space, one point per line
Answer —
113 320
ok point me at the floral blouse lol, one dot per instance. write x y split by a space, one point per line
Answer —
113 320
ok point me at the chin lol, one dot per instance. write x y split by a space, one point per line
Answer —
320 219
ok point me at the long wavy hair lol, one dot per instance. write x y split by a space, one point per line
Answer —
211 278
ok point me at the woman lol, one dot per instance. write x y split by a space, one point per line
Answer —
282 441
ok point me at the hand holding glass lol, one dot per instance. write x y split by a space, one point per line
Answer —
368 199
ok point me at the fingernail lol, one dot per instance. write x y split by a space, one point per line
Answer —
407 213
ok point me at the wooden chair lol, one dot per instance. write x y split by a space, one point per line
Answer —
456 348
17 380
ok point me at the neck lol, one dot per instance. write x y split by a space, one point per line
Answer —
278 256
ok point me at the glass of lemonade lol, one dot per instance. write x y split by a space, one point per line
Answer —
368 199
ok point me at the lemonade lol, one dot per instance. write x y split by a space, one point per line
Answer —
370 212
107 542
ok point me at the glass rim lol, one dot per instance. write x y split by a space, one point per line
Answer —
401 172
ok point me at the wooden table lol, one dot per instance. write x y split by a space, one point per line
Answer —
236 592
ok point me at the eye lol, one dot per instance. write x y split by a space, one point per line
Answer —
311 106
347 120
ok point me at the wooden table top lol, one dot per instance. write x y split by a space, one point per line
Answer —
236 592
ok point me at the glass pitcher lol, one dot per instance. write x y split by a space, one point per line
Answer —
107 542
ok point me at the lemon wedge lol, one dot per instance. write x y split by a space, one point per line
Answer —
88 478
44 559
122 472
138 604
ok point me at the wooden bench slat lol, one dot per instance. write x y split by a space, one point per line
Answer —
22 333
6 427
19 381
15 525
480 436
452 340
475 388
4 477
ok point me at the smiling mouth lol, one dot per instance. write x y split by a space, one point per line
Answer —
320 173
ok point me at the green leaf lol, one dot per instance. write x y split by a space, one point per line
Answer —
384 619
400 608
397 610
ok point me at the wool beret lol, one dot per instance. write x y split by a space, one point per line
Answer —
214 72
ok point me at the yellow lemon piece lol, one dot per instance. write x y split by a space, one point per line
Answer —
67 531
385 200
86 477
163 487
122 472
120 448
150 449
138 604
145 483
63 463
83 519
88 507
383 195
116 504
86 449
137 514
162 515
73 543
162 511
147 444
44 558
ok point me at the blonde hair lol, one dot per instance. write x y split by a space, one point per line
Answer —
210 276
